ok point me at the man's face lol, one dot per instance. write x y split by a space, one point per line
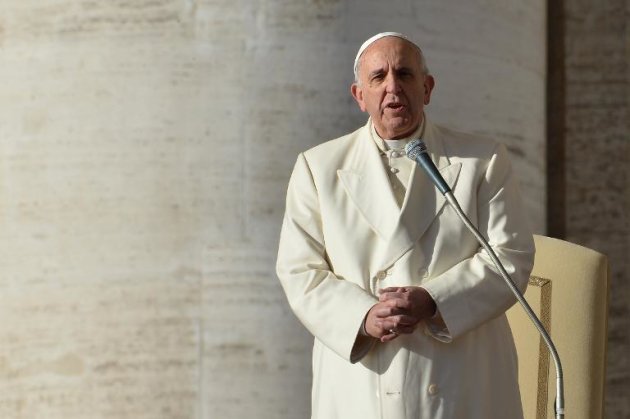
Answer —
392 87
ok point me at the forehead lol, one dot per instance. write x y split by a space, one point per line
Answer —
391 50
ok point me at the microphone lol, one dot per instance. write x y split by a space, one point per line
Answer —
416 150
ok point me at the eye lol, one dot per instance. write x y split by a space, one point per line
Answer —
377 77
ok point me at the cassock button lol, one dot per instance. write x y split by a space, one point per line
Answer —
380 275
433 389
394 170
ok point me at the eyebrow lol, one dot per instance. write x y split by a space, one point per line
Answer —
396 70
375 72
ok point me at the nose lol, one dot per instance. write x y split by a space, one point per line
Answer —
392 84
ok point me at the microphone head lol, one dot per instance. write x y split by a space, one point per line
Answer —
415 148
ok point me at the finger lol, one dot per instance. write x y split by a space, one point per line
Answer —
396 299
399 303
393 322
389 337
392 334
406 320
388 328
402 303
384 312
390 289
390 295
392 309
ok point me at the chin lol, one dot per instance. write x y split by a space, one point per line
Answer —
401 131
397 127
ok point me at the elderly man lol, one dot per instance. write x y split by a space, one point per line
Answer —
407 311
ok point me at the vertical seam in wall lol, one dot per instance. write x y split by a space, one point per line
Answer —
556 120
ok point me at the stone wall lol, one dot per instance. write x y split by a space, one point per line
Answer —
597 163
145 147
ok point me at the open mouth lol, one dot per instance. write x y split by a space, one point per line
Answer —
395 106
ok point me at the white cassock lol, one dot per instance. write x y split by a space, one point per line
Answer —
348 232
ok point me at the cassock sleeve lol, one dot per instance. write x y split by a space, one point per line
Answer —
332 309
473 292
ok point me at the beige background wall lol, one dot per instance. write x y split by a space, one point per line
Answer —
145 148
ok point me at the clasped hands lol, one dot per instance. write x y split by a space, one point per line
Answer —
398 311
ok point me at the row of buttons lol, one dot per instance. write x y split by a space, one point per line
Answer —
395 154
433 389
381 275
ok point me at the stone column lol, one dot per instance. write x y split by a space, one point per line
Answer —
144 155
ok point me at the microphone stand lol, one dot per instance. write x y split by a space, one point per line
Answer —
416 150
559 404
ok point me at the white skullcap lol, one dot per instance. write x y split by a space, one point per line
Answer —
374 39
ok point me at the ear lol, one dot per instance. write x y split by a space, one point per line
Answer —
429 84
357 94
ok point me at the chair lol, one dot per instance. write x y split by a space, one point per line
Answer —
568 290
